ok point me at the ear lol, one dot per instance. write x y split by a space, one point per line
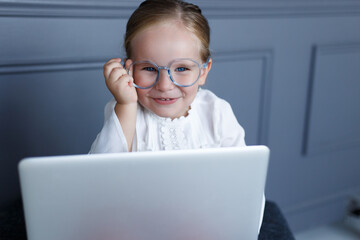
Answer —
204 73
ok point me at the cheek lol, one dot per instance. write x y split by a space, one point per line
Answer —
190 92
141 94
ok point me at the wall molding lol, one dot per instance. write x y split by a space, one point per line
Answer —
338 48
322 202
324 50
267 58
50 65
212 9
320 210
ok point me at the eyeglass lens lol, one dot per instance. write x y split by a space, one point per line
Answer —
184 72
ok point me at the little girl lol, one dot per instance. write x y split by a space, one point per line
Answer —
157 103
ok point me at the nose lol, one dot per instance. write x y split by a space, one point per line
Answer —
164 82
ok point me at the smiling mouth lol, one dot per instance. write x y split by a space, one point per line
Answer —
165 101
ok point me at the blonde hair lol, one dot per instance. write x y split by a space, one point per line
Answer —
151 12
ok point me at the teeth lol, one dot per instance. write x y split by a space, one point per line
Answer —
165 99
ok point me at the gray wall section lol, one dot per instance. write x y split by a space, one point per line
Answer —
289 69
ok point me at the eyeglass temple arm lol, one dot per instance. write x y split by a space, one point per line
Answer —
205 64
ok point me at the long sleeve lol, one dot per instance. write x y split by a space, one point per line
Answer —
111 138
231 132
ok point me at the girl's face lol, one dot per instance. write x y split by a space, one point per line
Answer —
162 43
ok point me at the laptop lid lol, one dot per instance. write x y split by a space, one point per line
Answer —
207 194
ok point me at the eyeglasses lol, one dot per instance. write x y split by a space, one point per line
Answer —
183 72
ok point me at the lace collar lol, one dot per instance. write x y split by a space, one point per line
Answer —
179 120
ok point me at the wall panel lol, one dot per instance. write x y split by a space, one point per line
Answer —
333 102
47 109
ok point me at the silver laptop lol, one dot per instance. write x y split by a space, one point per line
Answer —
206 194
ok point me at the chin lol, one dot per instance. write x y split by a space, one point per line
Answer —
169 115
166 111
166 115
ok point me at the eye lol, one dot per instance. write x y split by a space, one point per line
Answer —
149 69
181 69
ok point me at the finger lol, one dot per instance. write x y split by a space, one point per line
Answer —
115 74
109 66
120 85
128 66
128 79
113 60
128 62
121 74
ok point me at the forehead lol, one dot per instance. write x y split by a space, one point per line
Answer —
163 42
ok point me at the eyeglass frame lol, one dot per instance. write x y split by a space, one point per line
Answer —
158 68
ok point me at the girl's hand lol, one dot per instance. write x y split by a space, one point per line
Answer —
119 82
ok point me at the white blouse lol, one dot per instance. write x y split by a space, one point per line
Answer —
210 123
